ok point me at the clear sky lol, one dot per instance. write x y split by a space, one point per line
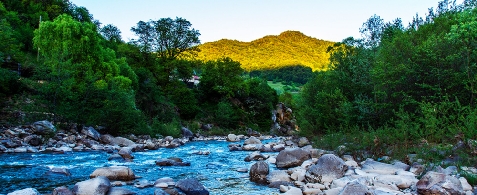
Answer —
247 20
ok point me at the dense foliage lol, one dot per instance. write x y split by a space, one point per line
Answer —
69 68
271 52
292 74
403 85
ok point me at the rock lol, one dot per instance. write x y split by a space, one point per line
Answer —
43 127
401 181
255 156
292 191
298 174
27 191
63 190
114 173
143 183
63 149
465 185
355 188
278 147
120 191
115 157
97 186
328 168
371 166
252 147
151 146
32 150
20 150
278 175
258 172
292 157
417 168
252 140
107 139
126 153
33 140
439 183
92 133
206 127
201 152
191 186
123 142
171 162
186 133
303 141
232 138
163 180
235 147
61 171
242 170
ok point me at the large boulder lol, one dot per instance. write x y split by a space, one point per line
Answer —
258 172
191 187
92 133
43 127
33 140
327 168
233 138
114 173
121 141
439 183
255 156
371 166
292 157
126 153
355 188
107 139
96 186
187 133
252 140
27 191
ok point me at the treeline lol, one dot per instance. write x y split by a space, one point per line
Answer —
71 69
291 74
403 85
271 52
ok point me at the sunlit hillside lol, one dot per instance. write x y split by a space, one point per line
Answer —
288 48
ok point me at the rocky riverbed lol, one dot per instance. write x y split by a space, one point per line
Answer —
82 161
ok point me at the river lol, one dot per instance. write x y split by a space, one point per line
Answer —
216 171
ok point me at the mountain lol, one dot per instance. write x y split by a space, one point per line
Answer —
271 52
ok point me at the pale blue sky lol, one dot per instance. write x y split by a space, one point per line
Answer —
247 20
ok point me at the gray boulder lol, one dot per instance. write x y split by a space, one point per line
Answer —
63 190
255 156
186 133
327 168
27 191
59 171
303 141
354 188
191 187
439 183
252 140
371 166
92 133
33 140
292 157
258 172
114 173
159 191
121 141
43 127
97 186
278 175
107 139
126 153
232 138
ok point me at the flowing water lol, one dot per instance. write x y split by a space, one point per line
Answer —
216 171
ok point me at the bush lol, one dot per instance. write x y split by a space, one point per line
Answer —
166 129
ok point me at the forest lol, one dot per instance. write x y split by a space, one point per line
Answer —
60 64
400 89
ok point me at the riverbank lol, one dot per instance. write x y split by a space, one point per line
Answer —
289 164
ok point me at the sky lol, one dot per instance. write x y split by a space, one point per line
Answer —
248 20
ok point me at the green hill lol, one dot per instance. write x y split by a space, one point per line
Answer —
271 52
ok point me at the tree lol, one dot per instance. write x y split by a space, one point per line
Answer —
372 30
221 79
112 35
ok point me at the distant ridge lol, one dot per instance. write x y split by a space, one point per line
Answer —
271 52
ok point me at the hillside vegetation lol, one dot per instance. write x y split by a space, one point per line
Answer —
271 52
